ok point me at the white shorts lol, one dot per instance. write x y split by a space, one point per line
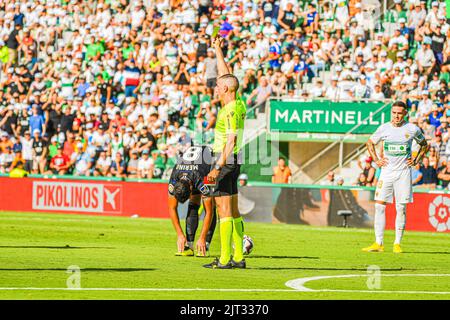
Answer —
394 183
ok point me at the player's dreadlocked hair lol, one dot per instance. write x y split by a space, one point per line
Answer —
182 190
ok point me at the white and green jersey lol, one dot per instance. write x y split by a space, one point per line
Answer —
397 142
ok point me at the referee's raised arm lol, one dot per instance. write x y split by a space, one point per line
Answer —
221 64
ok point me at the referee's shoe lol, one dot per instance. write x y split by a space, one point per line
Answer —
217 265
238 265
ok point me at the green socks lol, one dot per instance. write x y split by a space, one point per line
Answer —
226 234
238 239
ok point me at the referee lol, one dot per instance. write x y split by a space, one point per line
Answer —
226 167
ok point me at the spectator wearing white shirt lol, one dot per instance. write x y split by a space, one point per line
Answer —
145 166
361 90
103 165
333 91
425 57
377 94
424 106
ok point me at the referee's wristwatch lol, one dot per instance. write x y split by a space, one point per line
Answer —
217 167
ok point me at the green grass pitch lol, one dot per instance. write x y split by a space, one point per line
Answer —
124 253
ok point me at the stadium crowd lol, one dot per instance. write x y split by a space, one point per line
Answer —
117 88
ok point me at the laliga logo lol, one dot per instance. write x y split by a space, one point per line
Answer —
110 197
439 216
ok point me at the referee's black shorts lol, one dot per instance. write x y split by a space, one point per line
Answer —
227 181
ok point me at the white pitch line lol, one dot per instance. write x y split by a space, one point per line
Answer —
147 289
299 284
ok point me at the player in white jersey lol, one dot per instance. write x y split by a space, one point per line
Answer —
395 178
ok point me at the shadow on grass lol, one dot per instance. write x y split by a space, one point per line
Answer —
52 247
280 257
327 269
82 269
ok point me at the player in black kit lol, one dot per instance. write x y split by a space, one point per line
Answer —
187 182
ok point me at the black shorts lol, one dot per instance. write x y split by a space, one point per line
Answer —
227 181
211 83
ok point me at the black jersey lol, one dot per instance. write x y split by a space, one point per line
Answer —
194 165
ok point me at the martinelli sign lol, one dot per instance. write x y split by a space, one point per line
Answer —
327 117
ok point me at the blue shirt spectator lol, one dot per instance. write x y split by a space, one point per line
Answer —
37 121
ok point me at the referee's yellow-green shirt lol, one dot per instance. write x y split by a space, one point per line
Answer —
230 120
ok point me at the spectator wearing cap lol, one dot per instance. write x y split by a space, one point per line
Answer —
19 161
243 179
443 128
27 150
435 84
6 158
39 152
385 64
425 105
145 166
399 40
438 38
5 142
146 140
400 62
333 91
435 116
100 138
425 58
36 120
133 165
416 18
172 136
104 89
439 145
404 30
184 140
433 15
83 161
128 141
116 145
132 76
104 120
